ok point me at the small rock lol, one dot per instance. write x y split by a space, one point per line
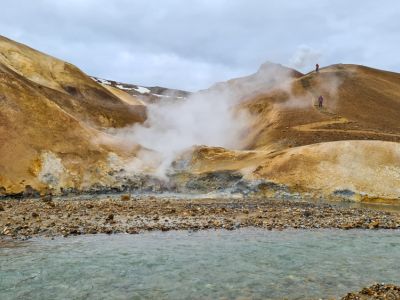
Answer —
30 192
51 203
125 197
132 230
35 215
7 231
92 231
347 226
216 223
47 198
374 224
74 232
1 207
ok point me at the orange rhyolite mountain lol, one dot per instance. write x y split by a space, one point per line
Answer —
52 115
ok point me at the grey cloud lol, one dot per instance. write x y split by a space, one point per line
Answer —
191 44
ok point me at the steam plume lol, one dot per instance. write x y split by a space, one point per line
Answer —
210 117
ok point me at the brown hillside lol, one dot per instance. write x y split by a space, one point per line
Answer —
67 86
359 103
50 112
288 139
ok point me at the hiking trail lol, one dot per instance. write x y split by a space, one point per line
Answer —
315 127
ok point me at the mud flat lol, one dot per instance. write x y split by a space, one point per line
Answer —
23 219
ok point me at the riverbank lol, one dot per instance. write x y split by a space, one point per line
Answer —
375 292
23 219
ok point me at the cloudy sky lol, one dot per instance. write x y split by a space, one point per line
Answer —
190 44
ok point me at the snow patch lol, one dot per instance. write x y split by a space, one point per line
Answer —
142 90
99 80
121 87
159 95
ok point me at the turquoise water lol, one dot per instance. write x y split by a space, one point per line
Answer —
244 264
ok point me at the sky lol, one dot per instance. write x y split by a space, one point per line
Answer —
191 44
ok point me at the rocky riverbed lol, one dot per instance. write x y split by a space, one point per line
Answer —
375 292
22 219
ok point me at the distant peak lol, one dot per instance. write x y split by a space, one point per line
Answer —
270 64
274 67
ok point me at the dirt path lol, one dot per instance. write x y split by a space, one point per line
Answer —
315 127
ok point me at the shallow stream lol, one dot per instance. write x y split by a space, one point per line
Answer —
246 263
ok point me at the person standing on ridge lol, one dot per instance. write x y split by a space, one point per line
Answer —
317 68
320 101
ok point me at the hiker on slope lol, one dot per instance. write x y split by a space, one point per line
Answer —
320 101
